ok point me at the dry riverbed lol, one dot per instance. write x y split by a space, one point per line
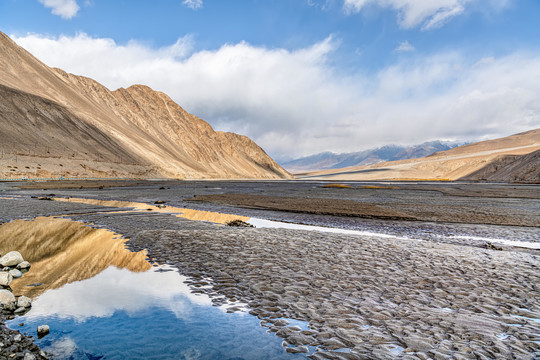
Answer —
363 296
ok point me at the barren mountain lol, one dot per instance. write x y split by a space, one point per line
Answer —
453 164
58 124
510 168
329 160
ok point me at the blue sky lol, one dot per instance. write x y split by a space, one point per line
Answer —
306 76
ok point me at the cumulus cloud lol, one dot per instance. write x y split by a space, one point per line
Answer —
63 8
193 4
294 102
404 46
412 13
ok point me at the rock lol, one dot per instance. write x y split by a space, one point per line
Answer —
25 265
16 273
29 356
281 322
239 223
17 338
20 311
297 350
7 299
42 330
12 258
5 278
288 331
24 301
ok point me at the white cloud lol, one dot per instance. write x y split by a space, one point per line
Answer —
404 46
295 103
193 4
64 8
411 13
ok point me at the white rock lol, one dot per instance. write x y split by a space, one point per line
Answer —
12 258
7 299
17 338
43 330
29 356
16 273
5 278
24 301
23 265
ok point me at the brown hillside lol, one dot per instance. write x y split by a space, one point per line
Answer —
453 164
49 115
510 168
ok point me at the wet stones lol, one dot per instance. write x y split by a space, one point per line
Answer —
14 267
11 259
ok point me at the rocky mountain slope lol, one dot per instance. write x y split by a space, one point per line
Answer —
329 160
510 168
57 124
474 160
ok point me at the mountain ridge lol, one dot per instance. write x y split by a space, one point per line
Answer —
147 133
455 164
329 160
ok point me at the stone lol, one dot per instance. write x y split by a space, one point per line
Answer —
17 338
12 258
24 301
42 330
25 265
281 322
297 350
7 299
16 273
5 278
20 311
29 356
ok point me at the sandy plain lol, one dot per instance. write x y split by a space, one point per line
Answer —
417 296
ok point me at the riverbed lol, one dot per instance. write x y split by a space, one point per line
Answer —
365 287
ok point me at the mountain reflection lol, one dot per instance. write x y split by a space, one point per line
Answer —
62 251
189 214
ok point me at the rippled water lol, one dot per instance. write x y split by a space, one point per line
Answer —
119 314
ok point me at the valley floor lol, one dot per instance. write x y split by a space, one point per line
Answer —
429 277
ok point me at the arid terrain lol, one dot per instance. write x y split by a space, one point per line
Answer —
407 285
476 161
55 124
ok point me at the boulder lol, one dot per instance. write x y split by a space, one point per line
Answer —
5 278
12 258
24 301
42 330
7 299
25 265
16 273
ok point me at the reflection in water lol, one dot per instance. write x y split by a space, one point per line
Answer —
123 315
189 214
63 251
118 290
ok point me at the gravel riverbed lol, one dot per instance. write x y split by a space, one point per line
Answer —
364 297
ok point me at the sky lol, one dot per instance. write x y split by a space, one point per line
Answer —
305 76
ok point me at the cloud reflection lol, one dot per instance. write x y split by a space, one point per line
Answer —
119 290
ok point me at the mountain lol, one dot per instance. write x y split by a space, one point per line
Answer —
329 160
55 124
494 160
510 168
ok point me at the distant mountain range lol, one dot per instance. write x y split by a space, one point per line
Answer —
330 160
514 158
